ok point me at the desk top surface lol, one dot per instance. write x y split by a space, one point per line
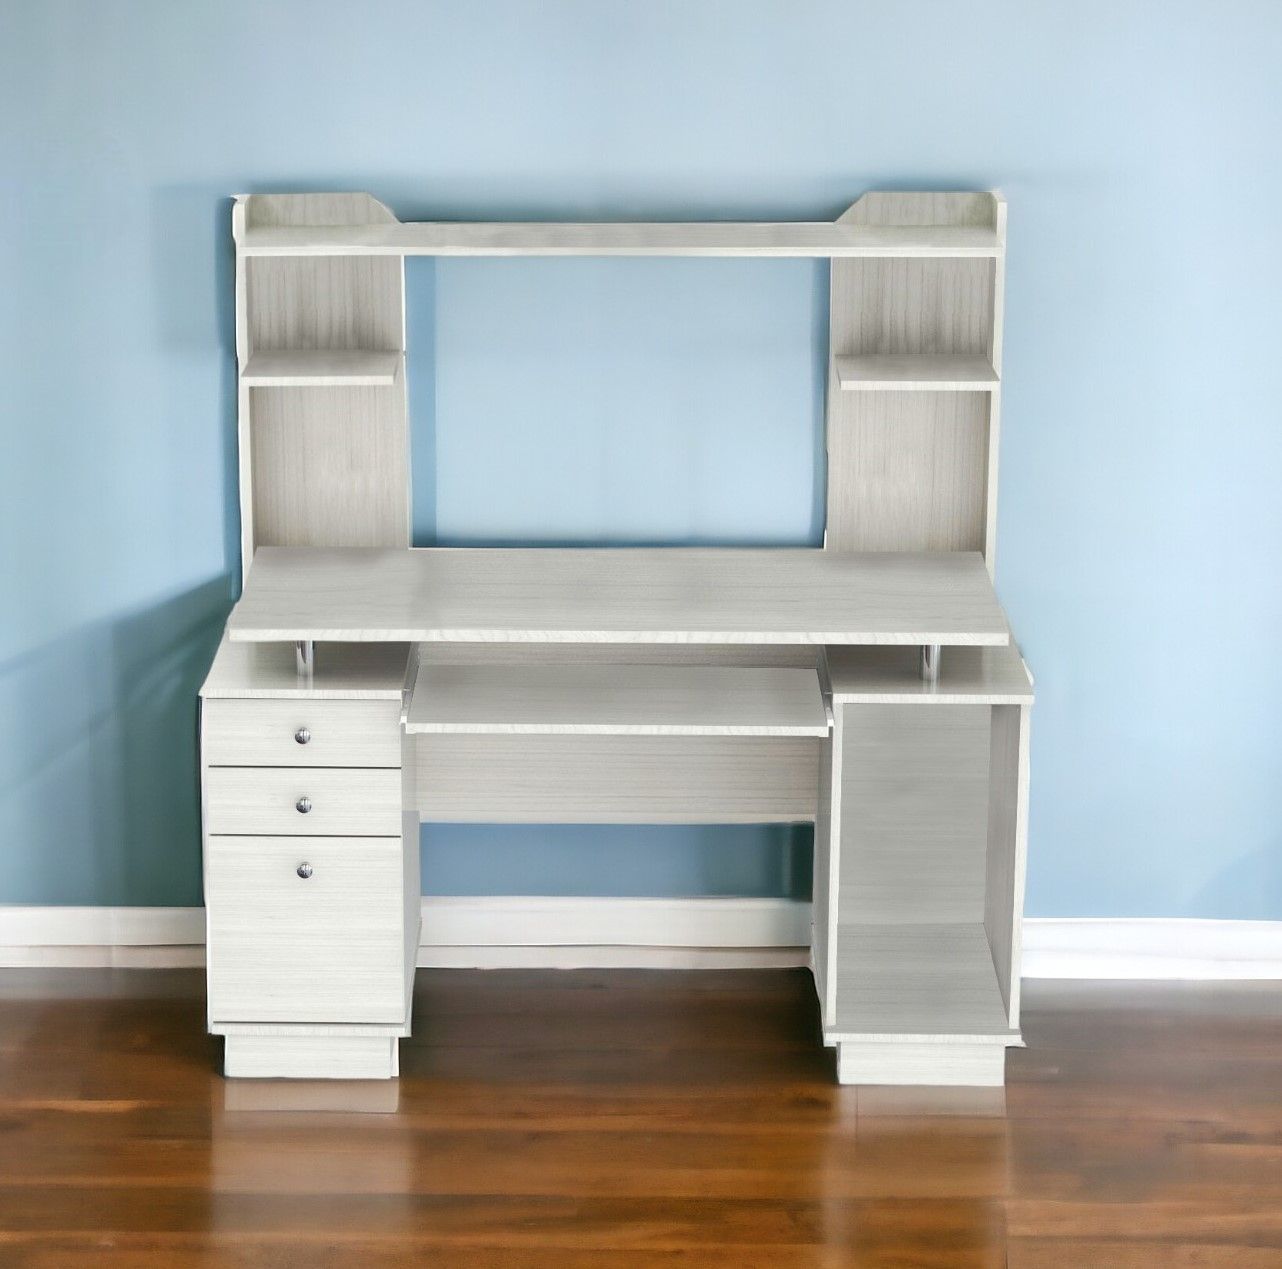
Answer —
663 595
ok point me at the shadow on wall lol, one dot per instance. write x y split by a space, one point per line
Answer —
193 291
98 746
1247 886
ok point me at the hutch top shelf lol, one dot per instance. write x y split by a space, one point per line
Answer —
816 239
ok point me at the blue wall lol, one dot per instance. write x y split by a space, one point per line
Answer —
1141 451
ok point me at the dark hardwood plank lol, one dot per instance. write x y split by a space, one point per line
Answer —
638 1118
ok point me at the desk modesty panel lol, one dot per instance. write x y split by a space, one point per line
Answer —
664 595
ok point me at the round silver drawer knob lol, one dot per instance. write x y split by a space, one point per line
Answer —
302 735
304 871
303 805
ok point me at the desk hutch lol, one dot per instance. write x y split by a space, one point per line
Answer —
869 686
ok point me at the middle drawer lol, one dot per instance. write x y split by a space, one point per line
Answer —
318 801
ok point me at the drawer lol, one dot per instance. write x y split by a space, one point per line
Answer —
362 802
326 948
302 733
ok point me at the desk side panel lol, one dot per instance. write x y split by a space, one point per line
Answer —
1007 847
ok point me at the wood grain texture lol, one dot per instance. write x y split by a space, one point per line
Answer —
266 211
334 368
328 948
331 467
343 671
826 870
1007 853
915 372
892 676
322 463
924 983
263 733
334 305
914 794
716 238
908 471
914 471
669 595
311 1057
344 801
616 779
935 308
616 700
937 1064
767 655
570 1120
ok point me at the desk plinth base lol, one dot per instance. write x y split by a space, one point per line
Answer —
928 1062
312 1057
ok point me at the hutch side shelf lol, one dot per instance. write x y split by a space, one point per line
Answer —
869 687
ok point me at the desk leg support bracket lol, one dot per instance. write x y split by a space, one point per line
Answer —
930 658
305 658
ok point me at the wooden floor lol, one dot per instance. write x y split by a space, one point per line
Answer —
637 1118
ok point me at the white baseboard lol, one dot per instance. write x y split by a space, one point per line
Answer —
652 933
1151 947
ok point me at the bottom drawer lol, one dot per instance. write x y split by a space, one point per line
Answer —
306 929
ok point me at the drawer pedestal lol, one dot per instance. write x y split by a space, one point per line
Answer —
311 868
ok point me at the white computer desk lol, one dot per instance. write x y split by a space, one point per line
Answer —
360 691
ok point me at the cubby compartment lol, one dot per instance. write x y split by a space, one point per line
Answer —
919 873
914 388
320 344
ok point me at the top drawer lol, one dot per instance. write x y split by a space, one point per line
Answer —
302 733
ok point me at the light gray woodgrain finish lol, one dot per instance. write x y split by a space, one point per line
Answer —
322 369
344 802
914 791
613 700
915 982
265 211
824 894
615 779
331 467
331 305
717 238
344 671
321 463
1007 847
914 470
768 655
892 676
647 686
908 472
915 372
937 308
411 887
945 1065
663 596
265 733
326 949
271 1057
